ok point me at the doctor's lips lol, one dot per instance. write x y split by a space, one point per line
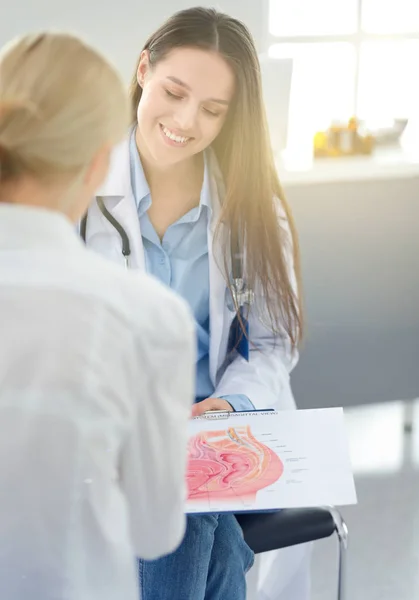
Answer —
171 135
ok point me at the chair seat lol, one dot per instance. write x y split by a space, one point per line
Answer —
287 527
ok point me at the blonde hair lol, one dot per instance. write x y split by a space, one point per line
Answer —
60 103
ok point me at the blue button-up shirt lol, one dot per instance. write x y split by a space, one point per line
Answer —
180 260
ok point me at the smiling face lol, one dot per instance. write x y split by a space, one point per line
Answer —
184 103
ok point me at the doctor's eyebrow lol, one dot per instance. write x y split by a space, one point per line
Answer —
187 87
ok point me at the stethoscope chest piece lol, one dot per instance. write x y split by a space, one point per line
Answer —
242 296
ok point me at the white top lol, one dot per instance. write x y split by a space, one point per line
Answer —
96 387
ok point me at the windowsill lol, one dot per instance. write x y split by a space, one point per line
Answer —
388 163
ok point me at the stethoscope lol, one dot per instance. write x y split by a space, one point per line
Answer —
126 246
243 297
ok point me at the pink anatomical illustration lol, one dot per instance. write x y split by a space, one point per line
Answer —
228 465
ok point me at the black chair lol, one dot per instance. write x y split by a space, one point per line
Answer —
288 527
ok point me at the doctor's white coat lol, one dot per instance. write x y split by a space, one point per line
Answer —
265 379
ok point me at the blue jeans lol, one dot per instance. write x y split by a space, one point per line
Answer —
210 564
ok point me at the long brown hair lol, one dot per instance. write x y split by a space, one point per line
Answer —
253 195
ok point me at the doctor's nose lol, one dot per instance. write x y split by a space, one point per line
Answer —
185 117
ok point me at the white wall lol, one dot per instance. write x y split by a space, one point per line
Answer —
118 28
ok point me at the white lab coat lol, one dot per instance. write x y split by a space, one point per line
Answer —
265 378
96 387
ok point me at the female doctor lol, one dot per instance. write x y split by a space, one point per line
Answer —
193 197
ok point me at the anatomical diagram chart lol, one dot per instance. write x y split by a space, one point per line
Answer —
268 460
230 465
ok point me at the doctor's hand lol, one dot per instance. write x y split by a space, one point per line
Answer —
210 404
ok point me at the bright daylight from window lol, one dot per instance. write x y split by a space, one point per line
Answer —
351 58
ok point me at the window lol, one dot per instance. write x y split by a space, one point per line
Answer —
390 17
294 18
350 57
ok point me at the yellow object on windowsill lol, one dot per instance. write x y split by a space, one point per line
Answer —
343 140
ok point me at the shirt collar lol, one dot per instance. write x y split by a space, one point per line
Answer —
140 187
